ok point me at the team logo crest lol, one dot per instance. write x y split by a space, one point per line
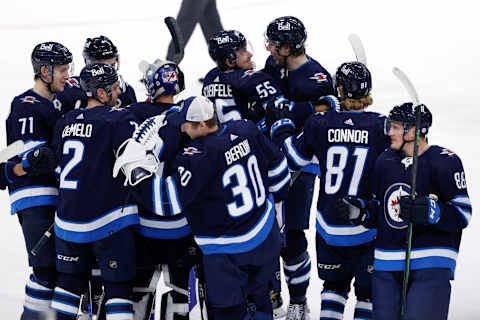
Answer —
116 108
248 73
319 77
391 205
447 152
169 76
191 151
73 83
29 99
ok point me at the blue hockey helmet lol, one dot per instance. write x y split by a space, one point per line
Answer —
97 76
405 114
99 48
50 54
287 30
162 78
355 80
224 45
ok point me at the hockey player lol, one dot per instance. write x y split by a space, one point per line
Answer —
439 213
301 79
346 144
99 49
94 215
229 206
31 119
165 244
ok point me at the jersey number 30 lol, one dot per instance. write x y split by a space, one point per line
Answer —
236 179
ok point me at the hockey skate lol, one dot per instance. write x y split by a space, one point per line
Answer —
298 311
277 305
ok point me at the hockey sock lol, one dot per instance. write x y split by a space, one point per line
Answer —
66 304
297 275
363 310
38 297
119 309
333 305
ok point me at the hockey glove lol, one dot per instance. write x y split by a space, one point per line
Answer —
276 109
330 102
255 111
422 210
357 211
281 130
39 161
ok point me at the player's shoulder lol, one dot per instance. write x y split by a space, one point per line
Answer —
241 127
390 155
443 156
211 75
29 97
313 66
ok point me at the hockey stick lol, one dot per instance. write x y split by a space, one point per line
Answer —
41 242
12 150
414 95
358 48
177 38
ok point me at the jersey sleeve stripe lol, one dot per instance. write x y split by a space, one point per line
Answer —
292 153
279 185
272 173
172 193
157 195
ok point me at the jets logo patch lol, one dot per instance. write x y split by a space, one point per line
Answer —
190 151
248 73
319 77
447 152
29 99
73 83
391 205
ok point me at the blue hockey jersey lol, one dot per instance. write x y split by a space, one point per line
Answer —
440 172
226 183
154 223
32 119
232 91
92 204
307 83
73 97
346 145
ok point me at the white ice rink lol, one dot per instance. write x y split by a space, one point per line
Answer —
435 43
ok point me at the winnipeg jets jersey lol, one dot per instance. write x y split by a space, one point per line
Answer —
440 173
32 119
232 91
154 222
307 83
73 97
227 183
92 204
346 145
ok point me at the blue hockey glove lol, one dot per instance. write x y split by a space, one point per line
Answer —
281 130
39 161
276 109
422 210
330 101
357 211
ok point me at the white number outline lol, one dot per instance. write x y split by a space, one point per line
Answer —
78 152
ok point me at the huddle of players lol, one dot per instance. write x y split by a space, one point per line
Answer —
173 157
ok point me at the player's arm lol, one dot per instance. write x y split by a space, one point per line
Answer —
449 211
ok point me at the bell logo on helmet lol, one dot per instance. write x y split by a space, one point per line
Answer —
46 46
284 26
222 40
97 72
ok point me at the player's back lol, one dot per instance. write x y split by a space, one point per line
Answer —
234 212
347 145
85 142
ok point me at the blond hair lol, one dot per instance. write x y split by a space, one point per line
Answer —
351 104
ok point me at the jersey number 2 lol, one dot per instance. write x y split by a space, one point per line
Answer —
78 151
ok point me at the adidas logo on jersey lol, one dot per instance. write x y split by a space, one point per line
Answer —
80 117
233 137
349 122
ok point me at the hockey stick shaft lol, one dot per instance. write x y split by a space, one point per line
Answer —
177 38
43 240
416 101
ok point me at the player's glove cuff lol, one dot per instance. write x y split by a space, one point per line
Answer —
330 101
282 126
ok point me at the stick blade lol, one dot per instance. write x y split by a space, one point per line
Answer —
358 48
407 84
177 38
12 150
